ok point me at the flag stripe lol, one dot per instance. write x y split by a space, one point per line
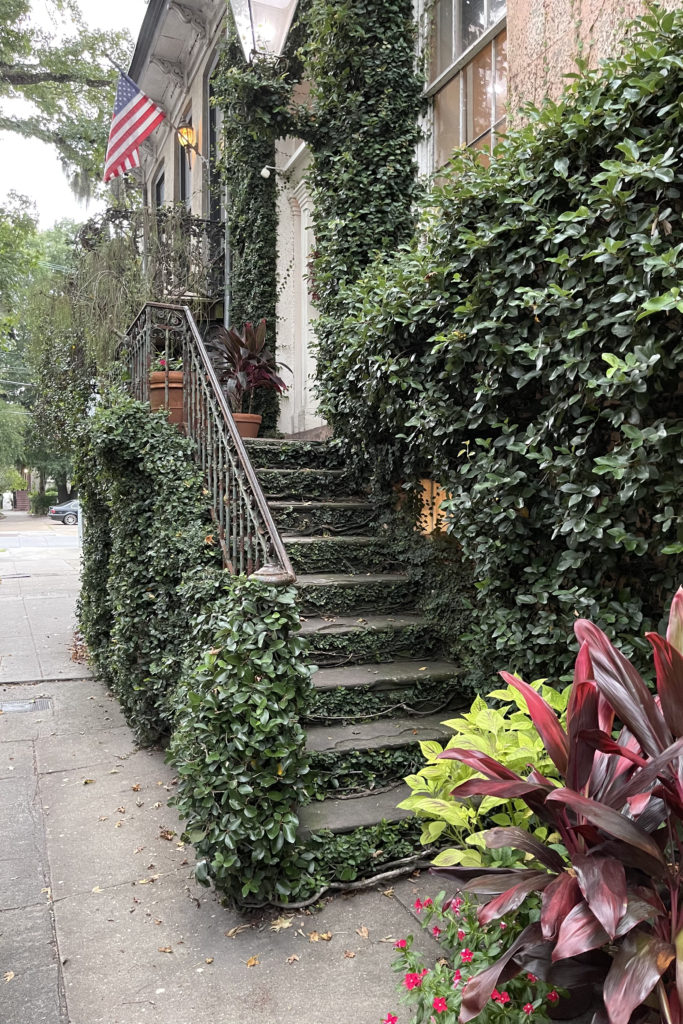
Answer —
135 117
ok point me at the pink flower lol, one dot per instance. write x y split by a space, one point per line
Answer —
503 926
461 934
428 902
466 956
503 998
495 995
418 905
401 944
436 931
528 1008
440 1004
390 1019
552 996
531 977
456 905
457 977
412 981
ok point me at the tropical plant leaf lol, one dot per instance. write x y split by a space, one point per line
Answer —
513 897
669 668
602 881
582 717
557 901
578 932
609 820
479 988
520 839
618 680
496 788
544 718
638 965
488 766
674 631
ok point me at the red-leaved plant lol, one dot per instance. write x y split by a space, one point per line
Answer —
610 877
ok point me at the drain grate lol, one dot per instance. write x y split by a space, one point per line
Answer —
37 704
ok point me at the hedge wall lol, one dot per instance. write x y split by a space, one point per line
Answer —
524 348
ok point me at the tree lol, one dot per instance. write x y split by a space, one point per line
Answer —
17 256
67 79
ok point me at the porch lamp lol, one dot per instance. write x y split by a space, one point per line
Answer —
263 26
186 135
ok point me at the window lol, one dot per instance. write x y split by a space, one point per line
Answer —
159 192
468 75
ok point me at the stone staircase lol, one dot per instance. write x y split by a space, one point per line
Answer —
381 686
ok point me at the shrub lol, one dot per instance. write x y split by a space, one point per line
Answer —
524 350
507 734
238 745
42 501
610 873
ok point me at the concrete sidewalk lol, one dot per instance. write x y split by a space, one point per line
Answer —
100 919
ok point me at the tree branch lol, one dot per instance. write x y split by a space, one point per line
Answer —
21 76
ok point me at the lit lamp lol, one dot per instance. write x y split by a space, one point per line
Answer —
263 26
186 135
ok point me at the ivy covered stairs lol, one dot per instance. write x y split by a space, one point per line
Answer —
381 686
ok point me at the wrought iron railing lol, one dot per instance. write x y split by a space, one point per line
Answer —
249 538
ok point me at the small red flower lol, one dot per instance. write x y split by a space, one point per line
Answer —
390 1019
412 981
503 926
495 995
552 996
401 944
456 979
436 931
528 1008
461 934
456 905
418 905
531 977
428 902
466 956
440 1004
503 998
423 972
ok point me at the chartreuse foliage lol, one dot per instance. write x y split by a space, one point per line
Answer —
524 350
146 526
499 727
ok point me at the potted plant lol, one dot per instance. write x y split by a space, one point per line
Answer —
243 364
161 372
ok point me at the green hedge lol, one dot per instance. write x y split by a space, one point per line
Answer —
525 349
146 527
41 502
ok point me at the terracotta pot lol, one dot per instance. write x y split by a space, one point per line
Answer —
248 423
157 394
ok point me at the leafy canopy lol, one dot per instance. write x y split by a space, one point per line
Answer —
56 83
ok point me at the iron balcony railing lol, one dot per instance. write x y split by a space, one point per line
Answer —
249 538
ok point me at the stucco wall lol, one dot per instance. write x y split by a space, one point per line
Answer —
545 36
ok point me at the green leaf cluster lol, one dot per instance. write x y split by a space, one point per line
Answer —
524 350
238 745
499 727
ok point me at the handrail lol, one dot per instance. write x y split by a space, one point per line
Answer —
249 537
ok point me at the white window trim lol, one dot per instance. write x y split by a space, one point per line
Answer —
444 78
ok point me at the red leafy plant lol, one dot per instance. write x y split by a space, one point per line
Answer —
243 364
609 874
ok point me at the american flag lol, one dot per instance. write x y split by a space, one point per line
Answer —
135 116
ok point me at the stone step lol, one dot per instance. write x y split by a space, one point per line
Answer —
307 484
338 593
353 554
333 518
389 676
345 639
341 816
387 733
286 453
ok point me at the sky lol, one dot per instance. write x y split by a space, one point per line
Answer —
34 169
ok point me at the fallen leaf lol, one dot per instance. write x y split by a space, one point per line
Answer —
209 960
166 833
138 849
388 938
165 949
8 976
136 788
313 936
120 810
253 961
87 782
157 805
118 824
103 817
114 771
326 936
157 920
280 923
235 931
388 893
363 932
349 954
97 889
292 959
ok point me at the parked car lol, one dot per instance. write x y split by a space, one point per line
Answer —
66 513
